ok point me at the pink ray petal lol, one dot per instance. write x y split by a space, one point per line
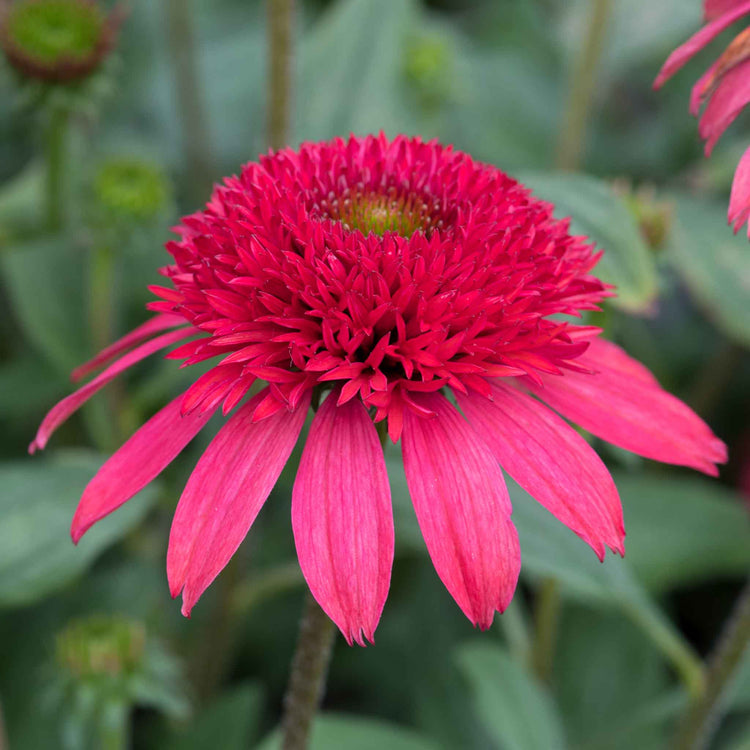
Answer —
463 508
224 494
739 202
726 103
715 8
342 517
70 404
551 461
625 406
144 331
143 457
698 41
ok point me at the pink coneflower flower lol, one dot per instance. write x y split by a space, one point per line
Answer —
725 86
378 278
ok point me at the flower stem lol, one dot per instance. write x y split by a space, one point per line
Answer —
55 144
280 27
704 712
114 732
546 618
181 41
309 671
582 84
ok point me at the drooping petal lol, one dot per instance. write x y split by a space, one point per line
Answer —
142 332
551 461
463 508
731 96
621 402
224 494
143 457
70 404
739 202
699 40
715 8
342 517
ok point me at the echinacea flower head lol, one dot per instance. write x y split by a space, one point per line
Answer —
397 285
57 41
724 89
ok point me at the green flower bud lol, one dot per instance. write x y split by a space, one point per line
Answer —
57 41
132 189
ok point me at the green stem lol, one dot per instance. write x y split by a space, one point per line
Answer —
190 100
56 144
582 84
546 618
667 640
515 628
308 676
280 29
114 729
704 713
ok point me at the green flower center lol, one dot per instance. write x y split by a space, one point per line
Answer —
49 30
378 213
131 188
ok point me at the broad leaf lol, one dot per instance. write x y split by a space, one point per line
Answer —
684 530
517 712
332 732
46 284
598 213
39 496
714 264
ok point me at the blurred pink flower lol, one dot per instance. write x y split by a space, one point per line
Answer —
726 88
388 273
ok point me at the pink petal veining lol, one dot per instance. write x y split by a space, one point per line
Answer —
224 494
386 272
136 463
70 404
551 461
626 406
739 203
463 509
342 517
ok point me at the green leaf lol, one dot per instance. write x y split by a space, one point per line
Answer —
357 88
517 712
46 286
37 504
229 723
597 212
683 531
550 550
332 732
592 647
714 264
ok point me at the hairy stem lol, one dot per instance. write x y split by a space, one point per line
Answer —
704 713
582 84
308 676
280 28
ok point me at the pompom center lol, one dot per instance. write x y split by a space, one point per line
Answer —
372 212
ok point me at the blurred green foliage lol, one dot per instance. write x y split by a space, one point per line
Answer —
491 78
